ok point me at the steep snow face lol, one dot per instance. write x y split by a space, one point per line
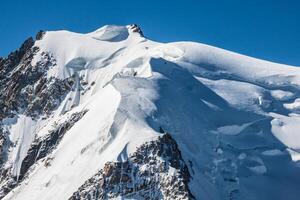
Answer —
234 118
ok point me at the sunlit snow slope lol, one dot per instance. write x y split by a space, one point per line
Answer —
236 119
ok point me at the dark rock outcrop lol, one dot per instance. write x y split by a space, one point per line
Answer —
42 147
135 28
40 35
155 171
24 87
45 95
4 145
15 73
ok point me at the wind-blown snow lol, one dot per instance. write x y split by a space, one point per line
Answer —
215 103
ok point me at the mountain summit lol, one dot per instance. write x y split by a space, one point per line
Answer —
113 115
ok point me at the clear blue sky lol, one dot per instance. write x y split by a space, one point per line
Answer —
267 29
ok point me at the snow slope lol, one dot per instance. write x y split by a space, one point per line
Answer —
235 118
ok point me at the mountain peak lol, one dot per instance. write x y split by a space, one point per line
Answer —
111 114
135 28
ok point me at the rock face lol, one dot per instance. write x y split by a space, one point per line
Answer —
13 78
40 35
137 29
39 149
4 145
155 171
25 88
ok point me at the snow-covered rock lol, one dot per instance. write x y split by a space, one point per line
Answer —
113 115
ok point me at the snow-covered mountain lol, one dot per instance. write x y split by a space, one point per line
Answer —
113 115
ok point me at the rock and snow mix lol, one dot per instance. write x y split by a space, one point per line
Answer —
113 115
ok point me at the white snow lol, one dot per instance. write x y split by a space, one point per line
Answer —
294 106
245 96
84 149
272 152
295 155
110 33
232 129
282 95
189 89
21 134
286 129
259 169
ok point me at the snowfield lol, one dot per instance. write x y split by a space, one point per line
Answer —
235 118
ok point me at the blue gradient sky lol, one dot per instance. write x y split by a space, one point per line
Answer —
267 29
